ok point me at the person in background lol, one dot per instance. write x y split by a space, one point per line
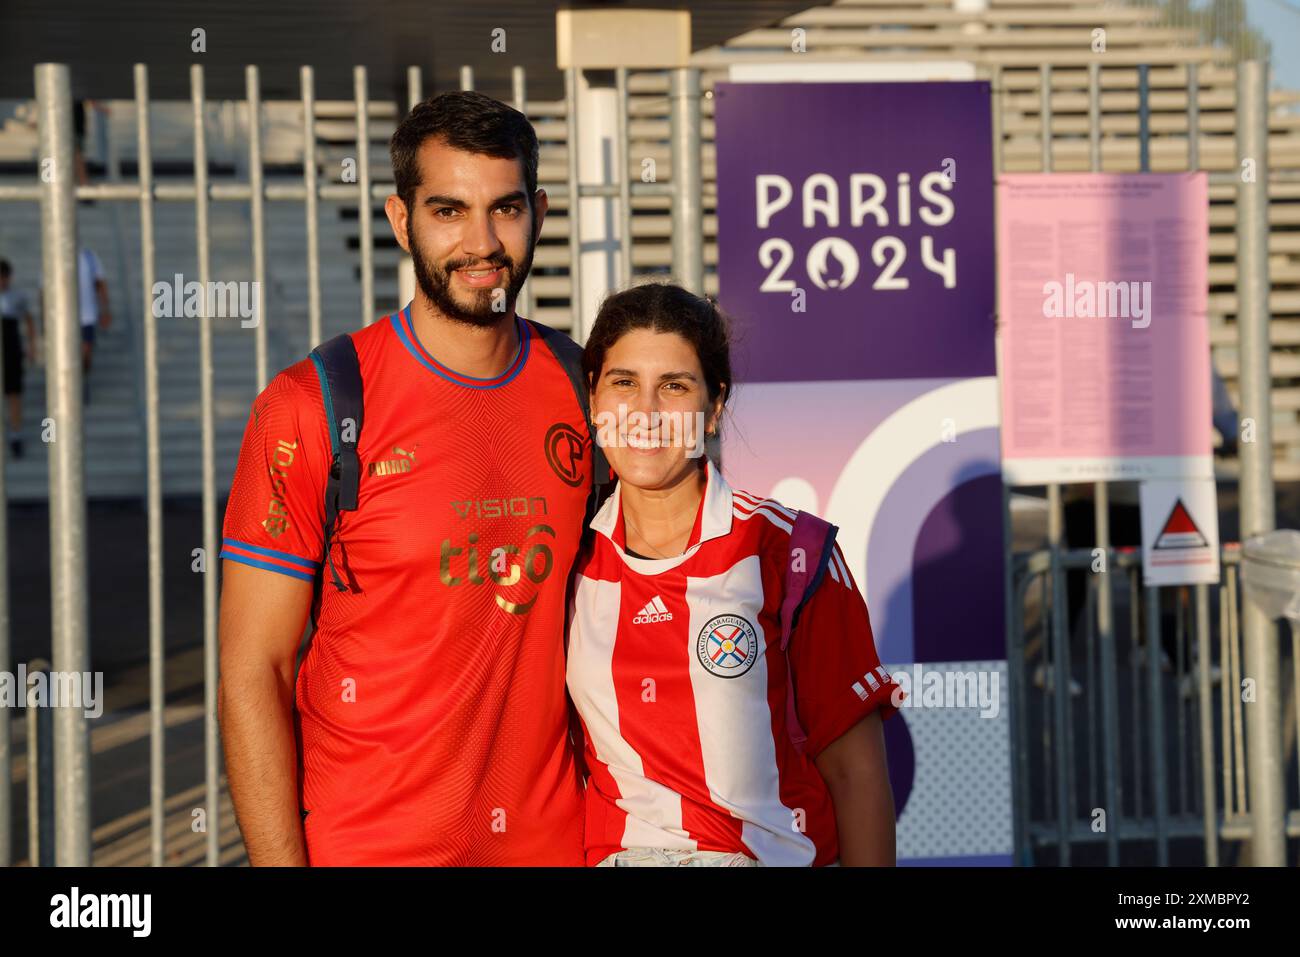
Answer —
14 307
79 135
92 293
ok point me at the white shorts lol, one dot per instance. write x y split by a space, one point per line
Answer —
662 857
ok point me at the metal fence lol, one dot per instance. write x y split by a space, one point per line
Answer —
1147 739
1251 804
58 193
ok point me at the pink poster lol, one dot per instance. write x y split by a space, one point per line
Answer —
1103 340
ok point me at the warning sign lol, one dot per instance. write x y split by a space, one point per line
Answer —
1180 532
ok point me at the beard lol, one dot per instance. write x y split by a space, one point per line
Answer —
435 279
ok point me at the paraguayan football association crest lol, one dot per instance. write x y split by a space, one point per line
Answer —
727 646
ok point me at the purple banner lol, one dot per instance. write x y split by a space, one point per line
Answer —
855 229
855 254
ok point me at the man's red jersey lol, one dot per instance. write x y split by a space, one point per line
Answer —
430 707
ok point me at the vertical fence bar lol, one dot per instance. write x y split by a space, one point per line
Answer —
153 473
1204 710
1045 115
1262 663
1295 666
624 177
1064 679
211 740
1094 119
1105 598
688 181
576 329
1060 673
1090 654
1014 596
1159 783
40 775
311 181
1144 118
1206 716
1181 668
1110 674
407 282
365 229
995 94
415 87
519 90
1020 765
1225 704
257 213
1238 734
1044 718
66 458
1135 682
1156 704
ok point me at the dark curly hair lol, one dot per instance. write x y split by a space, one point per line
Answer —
466 121
664 307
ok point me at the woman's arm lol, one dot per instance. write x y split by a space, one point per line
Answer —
854 769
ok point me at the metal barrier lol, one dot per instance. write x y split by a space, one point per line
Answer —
1269 825
1126 782
58 193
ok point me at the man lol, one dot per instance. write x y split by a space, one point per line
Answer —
92 294
14 307
427 724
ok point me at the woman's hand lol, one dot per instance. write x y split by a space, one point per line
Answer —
854 769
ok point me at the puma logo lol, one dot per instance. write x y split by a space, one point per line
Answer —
393 466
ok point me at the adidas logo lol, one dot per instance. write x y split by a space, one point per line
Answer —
871 680
654 611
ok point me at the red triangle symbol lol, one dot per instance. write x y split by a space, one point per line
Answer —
1180 531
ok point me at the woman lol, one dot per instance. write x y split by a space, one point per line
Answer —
674 660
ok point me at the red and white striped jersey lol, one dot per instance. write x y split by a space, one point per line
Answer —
676 671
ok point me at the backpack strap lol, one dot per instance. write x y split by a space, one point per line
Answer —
569 354
339 372
811 547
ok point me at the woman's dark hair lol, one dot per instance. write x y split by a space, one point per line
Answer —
466 121
664 307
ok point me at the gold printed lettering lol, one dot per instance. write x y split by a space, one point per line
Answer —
284 453
516 608
277 518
